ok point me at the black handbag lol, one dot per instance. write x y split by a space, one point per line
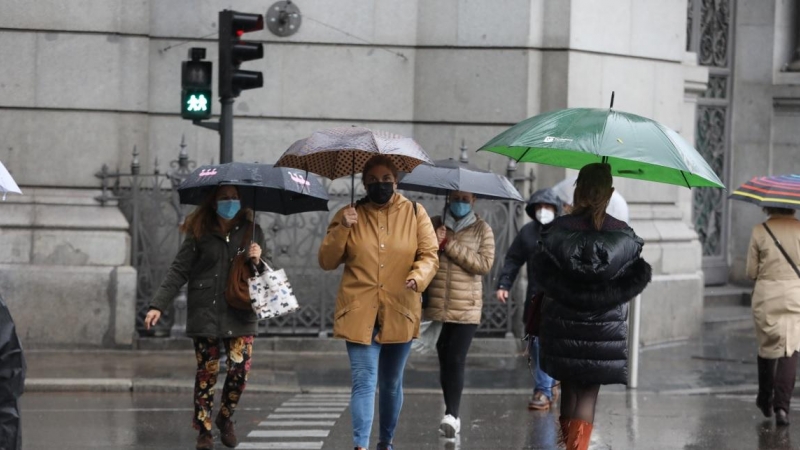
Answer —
533 320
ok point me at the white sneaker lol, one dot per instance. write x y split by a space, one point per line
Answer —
450 426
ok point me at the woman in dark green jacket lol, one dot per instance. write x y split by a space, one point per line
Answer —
214 233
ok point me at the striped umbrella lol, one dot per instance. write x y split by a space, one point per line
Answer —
781 191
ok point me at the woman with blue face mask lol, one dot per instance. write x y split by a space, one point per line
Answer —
215 233
466 254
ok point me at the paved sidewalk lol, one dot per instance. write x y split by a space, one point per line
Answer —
720 361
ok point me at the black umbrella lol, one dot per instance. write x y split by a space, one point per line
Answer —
261 186
449 175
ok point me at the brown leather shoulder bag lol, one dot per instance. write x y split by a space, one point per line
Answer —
237 290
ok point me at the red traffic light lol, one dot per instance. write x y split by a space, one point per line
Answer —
244 22
233 51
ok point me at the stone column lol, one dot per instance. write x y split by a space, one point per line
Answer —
64 269
794 65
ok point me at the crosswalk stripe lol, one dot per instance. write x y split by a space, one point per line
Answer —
294 403
303 416
332 397
288 410
296 423
280 445
288 433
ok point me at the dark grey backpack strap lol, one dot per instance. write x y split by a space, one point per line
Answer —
780 247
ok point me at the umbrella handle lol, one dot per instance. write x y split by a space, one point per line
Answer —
446 204
353 182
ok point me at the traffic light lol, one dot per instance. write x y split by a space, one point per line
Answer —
196 86
233 51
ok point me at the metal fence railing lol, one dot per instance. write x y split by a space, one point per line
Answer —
150 203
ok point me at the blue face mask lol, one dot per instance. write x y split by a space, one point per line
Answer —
227 209
460 209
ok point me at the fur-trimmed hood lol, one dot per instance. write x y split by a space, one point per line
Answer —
591 270
578 294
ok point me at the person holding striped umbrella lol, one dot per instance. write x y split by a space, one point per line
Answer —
772 262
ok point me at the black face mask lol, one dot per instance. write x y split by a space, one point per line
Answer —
380 193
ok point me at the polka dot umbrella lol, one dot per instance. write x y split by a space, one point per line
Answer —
339 152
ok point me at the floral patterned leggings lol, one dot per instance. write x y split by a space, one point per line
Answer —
207 350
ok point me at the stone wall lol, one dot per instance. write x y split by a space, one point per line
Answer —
765 136
642 59
93 78
64 269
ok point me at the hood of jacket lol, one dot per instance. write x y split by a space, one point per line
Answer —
546 196
386 247
589 269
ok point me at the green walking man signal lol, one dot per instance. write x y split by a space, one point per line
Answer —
197 103
196 80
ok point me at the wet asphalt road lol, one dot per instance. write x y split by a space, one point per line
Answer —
624 421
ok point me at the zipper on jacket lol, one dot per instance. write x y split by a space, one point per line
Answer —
219 310
447 286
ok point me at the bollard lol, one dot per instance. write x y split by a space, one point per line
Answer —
634 317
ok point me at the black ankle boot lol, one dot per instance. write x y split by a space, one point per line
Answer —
781 418
766 379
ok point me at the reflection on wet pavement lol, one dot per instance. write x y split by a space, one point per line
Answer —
624 421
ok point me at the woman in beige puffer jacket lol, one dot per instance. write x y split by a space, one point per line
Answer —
466 254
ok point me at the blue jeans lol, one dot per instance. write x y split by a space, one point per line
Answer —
542 381
372 365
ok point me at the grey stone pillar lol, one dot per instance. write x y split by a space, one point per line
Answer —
794 65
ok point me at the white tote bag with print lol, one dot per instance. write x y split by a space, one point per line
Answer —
271 294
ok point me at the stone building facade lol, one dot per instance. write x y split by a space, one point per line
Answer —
85 81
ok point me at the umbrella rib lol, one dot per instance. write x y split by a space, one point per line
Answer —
605 122
677 153
683 174
253 234
523 155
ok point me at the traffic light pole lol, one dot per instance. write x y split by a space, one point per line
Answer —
232 81
226 131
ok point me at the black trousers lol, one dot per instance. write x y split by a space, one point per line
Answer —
452 348
776 380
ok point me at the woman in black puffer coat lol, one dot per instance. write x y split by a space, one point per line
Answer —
589 267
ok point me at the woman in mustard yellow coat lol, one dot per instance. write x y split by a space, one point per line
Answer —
389 250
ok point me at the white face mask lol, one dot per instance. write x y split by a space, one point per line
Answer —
545 216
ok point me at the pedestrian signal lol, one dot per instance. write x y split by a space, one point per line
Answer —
196 86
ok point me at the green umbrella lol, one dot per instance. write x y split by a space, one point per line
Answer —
636 147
